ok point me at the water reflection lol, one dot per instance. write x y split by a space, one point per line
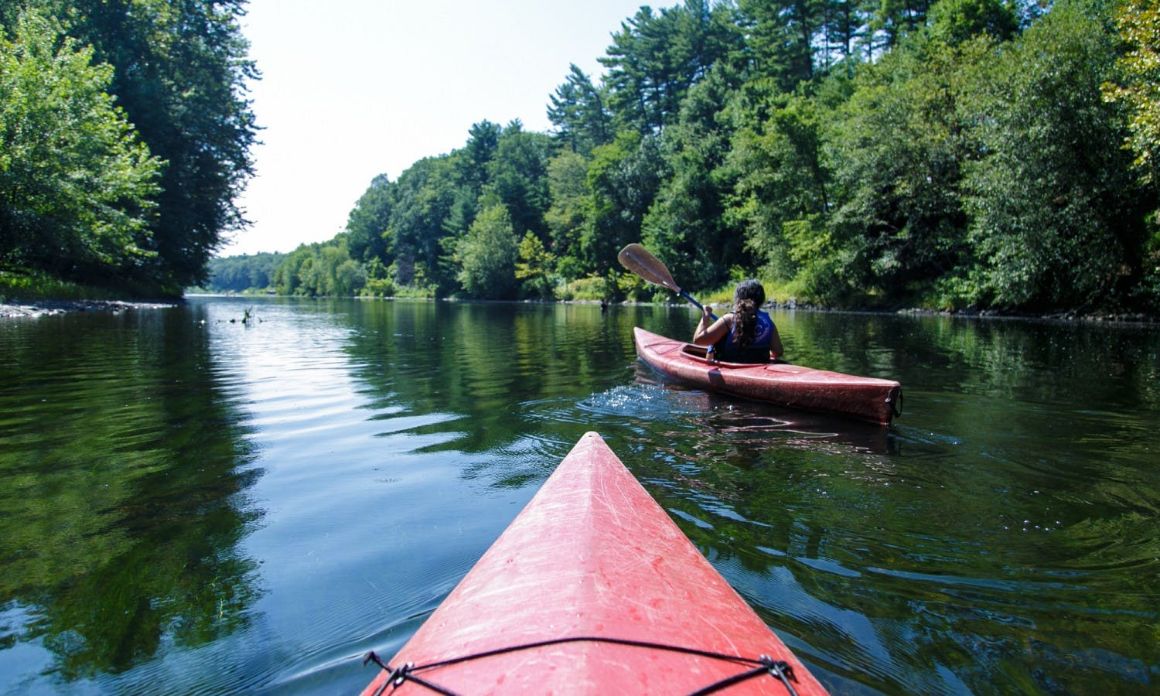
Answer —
230 509
122 503
480 363
756 423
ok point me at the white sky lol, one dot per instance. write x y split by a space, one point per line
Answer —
356 88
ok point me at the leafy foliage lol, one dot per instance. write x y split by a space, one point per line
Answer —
578 113
144 190
369 220
320 270
487 255
1136 85
1057 219
534 268
76 184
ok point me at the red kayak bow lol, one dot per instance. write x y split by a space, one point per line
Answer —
593 590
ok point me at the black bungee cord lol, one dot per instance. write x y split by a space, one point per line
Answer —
779 669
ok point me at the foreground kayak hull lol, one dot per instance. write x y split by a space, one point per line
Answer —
793 386
596 566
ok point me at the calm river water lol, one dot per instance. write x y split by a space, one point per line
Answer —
193 505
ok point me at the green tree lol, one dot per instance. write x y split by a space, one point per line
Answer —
656 57
286 275
245 272
424 198
1136 85
844 25
578 113
367 224
322 270
623 178
1057 215
782 185
569 213
896 19
470 173
487 255
180 72
781 37
954 21
76 185
534 268
687 225
898 150
518 177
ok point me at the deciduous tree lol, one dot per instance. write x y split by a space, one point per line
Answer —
77 186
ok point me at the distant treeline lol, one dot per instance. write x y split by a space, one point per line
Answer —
240 274
124 138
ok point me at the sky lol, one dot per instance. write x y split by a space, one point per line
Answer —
355 88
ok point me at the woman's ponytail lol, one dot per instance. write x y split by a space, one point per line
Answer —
747 299
745 321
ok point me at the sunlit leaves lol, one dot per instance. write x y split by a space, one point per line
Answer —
534 268
1138 83
76 184
487 255
570 209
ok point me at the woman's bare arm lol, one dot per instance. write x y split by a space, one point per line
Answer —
708 331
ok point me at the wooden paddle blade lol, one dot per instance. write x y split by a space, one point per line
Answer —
637 259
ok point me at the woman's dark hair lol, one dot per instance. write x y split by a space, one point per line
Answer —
747 299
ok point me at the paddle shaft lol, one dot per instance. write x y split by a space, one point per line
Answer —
695 303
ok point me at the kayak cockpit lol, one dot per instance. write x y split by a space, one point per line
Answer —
691 350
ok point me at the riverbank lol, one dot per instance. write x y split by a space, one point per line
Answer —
33 309
1104 317
40 308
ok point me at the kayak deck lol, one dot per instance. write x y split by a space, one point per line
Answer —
593 589
866 398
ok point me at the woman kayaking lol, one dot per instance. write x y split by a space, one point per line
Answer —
745 335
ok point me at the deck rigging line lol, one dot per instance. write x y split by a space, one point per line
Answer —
763 665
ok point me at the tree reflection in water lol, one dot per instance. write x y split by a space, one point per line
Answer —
122 504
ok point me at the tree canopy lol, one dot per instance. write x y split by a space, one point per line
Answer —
153 135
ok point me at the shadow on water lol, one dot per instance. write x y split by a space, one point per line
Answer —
769 425
123 478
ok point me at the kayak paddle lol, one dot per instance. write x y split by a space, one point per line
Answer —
637 259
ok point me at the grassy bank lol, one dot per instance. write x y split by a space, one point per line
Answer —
25 286
30 287
21 285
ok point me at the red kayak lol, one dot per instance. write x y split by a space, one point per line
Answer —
793 386
593 590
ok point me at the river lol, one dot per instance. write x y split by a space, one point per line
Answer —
193 504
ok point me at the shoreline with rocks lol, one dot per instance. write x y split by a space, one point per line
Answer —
34 309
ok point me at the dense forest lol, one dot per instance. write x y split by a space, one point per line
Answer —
988 154
126 134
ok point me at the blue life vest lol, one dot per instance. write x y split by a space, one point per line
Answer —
757 351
